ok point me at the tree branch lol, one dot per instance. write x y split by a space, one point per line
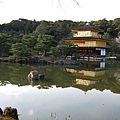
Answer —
76 1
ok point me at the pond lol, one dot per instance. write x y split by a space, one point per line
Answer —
87 92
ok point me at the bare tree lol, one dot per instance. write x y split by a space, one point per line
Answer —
76 2
60 2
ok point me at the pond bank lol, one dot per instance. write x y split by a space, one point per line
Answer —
46 60
43 60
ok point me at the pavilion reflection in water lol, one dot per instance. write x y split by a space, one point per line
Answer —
90 74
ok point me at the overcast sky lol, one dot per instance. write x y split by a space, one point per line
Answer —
51 10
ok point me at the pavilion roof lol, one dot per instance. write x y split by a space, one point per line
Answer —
85 38
87 27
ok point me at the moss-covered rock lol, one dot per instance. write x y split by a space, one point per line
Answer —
6 118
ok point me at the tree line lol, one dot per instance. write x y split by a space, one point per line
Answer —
22 38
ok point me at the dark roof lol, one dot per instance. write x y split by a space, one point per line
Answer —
84 38
88 27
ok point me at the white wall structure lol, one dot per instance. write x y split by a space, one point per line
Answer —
102 51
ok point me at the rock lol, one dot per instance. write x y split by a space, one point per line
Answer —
34 75
1 112
11 112
41 76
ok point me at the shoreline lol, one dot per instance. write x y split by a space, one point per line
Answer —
47 60
43 60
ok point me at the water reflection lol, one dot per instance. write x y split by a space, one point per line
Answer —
88 76
98 75
88 92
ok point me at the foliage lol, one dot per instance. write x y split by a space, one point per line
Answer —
20 51
22 38
5 45
44 43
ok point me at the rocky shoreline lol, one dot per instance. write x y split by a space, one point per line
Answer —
44 60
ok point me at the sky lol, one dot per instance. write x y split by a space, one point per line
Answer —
52 10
